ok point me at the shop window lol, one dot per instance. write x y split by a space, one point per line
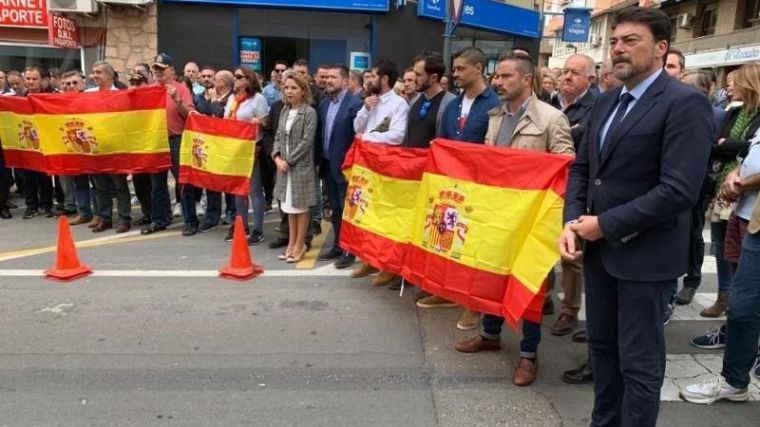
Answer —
751 13
709 19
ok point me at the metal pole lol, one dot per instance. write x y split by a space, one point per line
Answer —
447 35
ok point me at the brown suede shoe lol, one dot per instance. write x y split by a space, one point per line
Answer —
383 279
102 226
363 271
469 320
95 221
564 325
718 309
476 344
79 219
525 373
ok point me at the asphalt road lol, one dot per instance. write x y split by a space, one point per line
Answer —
154 339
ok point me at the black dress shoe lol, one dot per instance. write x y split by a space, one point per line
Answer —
49 213
317 227
30 213
142 221
331 254
582 375
152 229
190 230
278 243
5 213
345 261
579 336
548 307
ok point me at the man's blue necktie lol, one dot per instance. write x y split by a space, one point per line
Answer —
625 99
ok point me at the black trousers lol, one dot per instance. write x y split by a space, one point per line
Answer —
336 194
37 190
141 183
5 186
696 244
627 342
268 175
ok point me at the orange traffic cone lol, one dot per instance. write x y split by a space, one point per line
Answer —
240 266
67 265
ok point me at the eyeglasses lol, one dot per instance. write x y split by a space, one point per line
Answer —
239 76
424 109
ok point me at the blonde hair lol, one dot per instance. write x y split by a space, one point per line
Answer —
302 83
747 80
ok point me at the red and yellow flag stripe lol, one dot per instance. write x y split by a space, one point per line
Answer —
383 182
94 132
486 225
217 154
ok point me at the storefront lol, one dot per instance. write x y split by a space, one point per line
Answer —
258 32
24 38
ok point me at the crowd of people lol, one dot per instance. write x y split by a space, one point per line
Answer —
653 160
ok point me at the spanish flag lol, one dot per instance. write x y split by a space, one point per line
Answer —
81 133
383 182
485 227
217 154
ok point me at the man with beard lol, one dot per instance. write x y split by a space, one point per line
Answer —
521 121
425 114
335 134
637 173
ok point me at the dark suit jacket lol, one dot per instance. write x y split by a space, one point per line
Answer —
342 135
644 183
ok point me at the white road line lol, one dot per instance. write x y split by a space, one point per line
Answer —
683 312
324 271
684 369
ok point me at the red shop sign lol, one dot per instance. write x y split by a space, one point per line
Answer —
62 32
23 13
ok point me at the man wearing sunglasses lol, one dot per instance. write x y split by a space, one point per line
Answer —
272 91
423 123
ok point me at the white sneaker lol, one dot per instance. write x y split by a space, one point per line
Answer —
200 209
177 212
712 391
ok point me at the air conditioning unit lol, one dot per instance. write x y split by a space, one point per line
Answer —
684 20
595 41
73 6
127 2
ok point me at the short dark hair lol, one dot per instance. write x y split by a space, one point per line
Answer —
343 69
54 72
433 63
681 58
323 66
524 63
208 67
280 62
473 55
386 67
301 63
655 19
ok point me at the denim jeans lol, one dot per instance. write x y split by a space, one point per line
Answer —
725 272
531 334
69 192
159 189
213 207
83 195
743 323
257 195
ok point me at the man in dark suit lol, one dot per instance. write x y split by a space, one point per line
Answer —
335 134
635 178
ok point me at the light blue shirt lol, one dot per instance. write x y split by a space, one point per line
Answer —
271 93
332 111
637 92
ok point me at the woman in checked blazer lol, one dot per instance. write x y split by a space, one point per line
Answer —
293 153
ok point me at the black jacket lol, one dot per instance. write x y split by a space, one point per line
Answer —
577 114
733 147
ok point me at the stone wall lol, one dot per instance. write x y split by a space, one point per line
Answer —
131 36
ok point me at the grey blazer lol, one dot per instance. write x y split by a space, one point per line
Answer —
299 155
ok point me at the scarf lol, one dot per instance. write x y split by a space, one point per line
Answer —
236 101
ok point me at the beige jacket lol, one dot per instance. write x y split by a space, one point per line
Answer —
541 128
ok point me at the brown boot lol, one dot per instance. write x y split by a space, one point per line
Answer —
79 219
718 309
476 344
363 271
383 279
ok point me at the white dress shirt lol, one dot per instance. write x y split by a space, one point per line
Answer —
390 106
